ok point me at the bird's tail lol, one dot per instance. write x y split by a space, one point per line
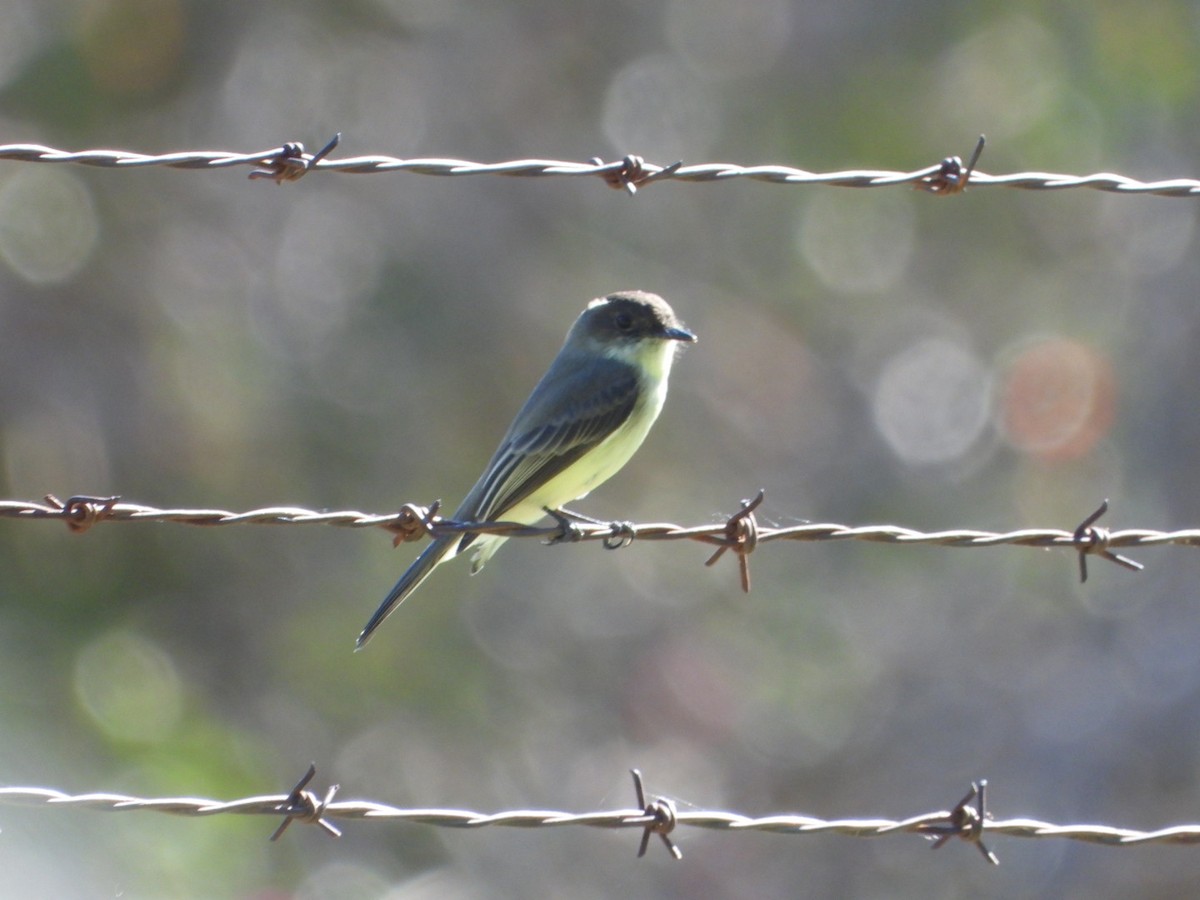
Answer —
438 551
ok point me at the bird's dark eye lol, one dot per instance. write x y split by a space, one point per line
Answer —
624 321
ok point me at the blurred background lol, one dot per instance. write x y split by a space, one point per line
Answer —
995 360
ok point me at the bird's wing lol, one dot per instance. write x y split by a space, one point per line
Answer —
553 430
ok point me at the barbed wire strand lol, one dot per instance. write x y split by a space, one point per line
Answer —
290 162
741 532
969 820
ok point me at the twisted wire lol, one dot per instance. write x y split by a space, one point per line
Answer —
413 521
290 161
741 532
302 806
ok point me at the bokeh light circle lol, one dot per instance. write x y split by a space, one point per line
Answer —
129 687
48 224
656 104
932 402
858 242
1057 399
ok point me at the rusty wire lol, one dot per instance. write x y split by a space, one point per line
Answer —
290 162
741 532
969 820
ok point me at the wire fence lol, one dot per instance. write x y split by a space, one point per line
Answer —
741 532
969 819
291 161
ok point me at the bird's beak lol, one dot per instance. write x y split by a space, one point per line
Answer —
679 334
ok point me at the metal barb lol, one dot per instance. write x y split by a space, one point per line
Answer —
622 175
952 177
337 139
631 172
303 805
414 522
623 534
82 511
660 815
741 536
291 163
967 820
1089 539
665 172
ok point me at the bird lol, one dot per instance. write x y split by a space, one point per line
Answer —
583 421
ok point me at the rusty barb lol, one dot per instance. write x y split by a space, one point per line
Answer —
291 163
741 536
952 176
632 172
413 522
81 512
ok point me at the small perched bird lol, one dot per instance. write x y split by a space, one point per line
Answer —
584 420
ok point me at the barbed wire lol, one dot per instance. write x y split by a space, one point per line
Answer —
291 162
969 820
741 532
